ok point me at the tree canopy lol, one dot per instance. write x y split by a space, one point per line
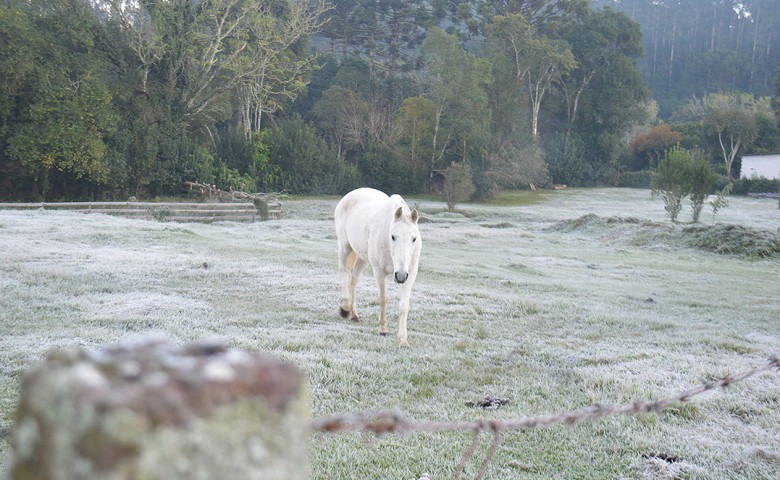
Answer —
117 98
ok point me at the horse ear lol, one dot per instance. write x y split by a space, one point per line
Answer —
415 215
399 213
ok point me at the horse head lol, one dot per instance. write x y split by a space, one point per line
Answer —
404 242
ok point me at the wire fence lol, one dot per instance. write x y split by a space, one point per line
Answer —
384 422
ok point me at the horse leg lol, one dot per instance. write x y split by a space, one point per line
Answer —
347 259
358 266
403 308
381 280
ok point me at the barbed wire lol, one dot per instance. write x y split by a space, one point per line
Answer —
384 422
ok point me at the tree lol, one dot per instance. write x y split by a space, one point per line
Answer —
696 47
721 200
341 113
534 60
511 167
279 64
64 113
458 186
682 173
671 180
455 80
416 119
735 128
386 33
567 161
214 48
652 145
303 159
596 42
701 180
18 43
542 14
615 102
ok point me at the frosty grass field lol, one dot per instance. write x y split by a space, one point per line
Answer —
509 303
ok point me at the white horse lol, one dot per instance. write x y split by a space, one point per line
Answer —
375 229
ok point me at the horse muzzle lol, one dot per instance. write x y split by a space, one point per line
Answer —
400 276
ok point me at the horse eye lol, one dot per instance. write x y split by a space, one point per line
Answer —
414 239
393 237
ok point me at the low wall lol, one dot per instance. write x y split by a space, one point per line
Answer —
172 211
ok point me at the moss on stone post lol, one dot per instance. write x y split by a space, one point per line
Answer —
149 410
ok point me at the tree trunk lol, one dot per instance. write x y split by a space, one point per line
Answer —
435 136
671 53
729 155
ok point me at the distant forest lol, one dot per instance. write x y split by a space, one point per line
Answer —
693 47
111 99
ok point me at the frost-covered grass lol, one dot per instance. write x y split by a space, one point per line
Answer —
507 304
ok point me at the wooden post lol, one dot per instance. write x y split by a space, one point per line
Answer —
149 410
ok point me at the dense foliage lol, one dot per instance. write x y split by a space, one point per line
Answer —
112 98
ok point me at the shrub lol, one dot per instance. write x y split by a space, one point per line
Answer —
301 158
743 186
381 169
642 179
458 186
566 160
681 173
700 181
231 179
671 180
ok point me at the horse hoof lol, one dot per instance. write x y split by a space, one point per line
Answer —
404 345
355 319
343 313
384 334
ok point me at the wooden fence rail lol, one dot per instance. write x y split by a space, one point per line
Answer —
172 211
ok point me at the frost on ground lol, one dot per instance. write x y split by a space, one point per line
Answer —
508 304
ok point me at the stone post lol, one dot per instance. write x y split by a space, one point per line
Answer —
148 410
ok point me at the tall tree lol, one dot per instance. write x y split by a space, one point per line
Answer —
732 118
597 41
213 48
545 15
696 47
735 128
387 33
531 59
416 119
67 113
455 80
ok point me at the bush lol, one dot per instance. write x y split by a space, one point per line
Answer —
381 169
458 187
642 179
743 186
701 180
671 180
682 173
298 160
567 162
230 179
